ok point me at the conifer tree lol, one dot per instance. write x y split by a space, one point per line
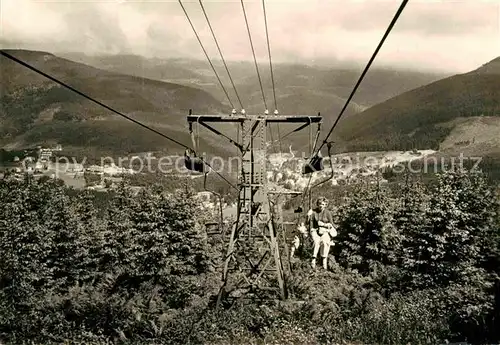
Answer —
118 236
91 230
448 240
410 219
366 235
67 242
24 246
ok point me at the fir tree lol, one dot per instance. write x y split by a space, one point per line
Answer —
118 236
367 237
410 219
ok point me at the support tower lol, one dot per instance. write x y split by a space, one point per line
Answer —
253 266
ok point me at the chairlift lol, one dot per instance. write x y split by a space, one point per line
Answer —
192 162
328 178
315 164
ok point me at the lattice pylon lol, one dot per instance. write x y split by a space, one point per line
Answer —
253 263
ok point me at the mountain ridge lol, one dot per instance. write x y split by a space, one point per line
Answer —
35 109
415 119
25 95
339 80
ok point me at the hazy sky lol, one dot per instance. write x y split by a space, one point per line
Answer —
446 35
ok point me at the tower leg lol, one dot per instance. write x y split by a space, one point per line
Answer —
229 255
277 261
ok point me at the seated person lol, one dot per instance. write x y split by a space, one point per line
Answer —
322 231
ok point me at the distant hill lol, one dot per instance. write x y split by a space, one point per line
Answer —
304 83
300 89
159 92
426 116
35 110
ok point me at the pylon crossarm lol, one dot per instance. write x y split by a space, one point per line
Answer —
242 118
232 141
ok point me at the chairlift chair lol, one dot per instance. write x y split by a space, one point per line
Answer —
192 162
328 178
315 164
298 210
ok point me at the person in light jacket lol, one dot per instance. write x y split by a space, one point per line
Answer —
322 231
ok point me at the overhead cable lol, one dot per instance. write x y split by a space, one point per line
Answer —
253 52
391 25
389 29
206 55
221 55
13 58
269 53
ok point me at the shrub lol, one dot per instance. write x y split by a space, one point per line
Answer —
417 266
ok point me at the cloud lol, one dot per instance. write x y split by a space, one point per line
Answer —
427 18
96 29
456 36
